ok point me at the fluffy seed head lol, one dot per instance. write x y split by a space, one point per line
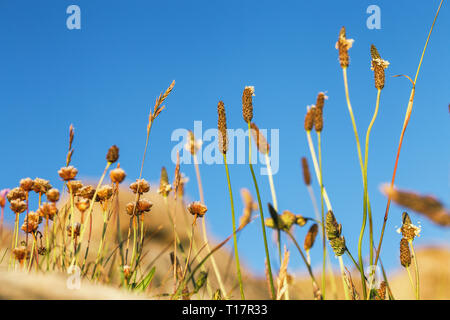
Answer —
261 142
113 154
306 172
222 128
247 103
405 254
310 237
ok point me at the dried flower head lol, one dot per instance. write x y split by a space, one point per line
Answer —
164 186
197 209
76 230
68 173
193 145
86 192
74 186
113 154
140 186
16 194
52 195
306 172
117 175
140 207
405 254
343 45
247 103
18 206
408 230
3 194
300 220
309 117
222 127
310 237
31 222
249 206
333 232
83 204
378 65
26 184
261 141
47 210
427 205
41 186
21 253
104 193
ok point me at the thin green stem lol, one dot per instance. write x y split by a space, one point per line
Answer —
324 248
266 248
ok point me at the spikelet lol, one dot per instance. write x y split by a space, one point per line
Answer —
318 119
306 172
261 142
343 44
320 102
158 105
333 232
281 279
405 254
247 103
249 206
164 185
310 237
378 65
309 118
427 205
381 292
222 127
408 230
113 154
177 177
350 285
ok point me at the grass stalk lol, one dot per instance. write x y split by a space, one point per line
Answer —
416 270
324 247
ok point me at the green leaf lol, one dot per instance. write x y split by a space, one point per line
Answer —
146 281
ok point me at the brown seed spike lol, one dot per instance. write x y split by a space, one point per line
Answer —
113 154
378 66
405 254
318 120
261 142
306 172
309 119
320 100
247 103
343 44
310 237
222 127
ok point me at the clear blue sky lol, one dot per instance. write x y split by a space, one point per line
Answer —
105 77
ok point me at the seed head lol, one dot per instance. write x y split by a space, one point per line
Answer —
76 229
21 253
86 192
104 193
311 237
68 173
140 186
193 145
306 172
309 118
261 142
343 44
52 195
197 209
117 175
18 206
47 210
74 186
247 103
333 232
381 292
249 206
378 65
26 184
113 154
164 186
318 119
405 254
31 222
83 205
41 186
16 194
222 127
321 97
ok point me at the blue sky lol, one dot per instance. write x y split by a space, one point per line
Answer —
105 77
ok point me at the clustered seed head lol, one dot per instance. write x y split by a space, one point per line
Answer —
309 118
197 209
140 186
405 254
113 154
321 97
318 119
142 206
343 44
68 173
333 232
21 253
283 221
47 210
381 292
41 186
247 103
177 177
86 192
31 222
26 184
164 186
117 175
83 204
76 230
261 141
310 237
378 65
75 186
104 193
53 195
222 127
18 206
408 230
16 194
306 172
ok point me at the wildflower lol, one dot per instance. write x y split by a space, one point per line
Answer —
113 154
311 237
26 184
197 209
140 186
127 272
343 45
300 220
68 173
41 186
408 230
53 195
82 205
86 192
142 206
74 186
104 193
117 175
378 65
3 194
76 230
18 206
16 194
21 253
31 222
164 185
47 210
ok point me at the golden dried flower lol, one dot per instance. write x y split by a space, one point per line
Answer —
378 65
104 193
249 206
140 186
117 175
86 192
21 253
74 186
83 204
76 229
41 186
197 209
261 142
222 128
127 272
68 173
31 222
318 120
142 206
300 220
16 194
247 103
164 186
309 118
343 45
26 184
310 237
47 210
408 230
193 145
18 206
53 195
113 154
306 172
405 254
